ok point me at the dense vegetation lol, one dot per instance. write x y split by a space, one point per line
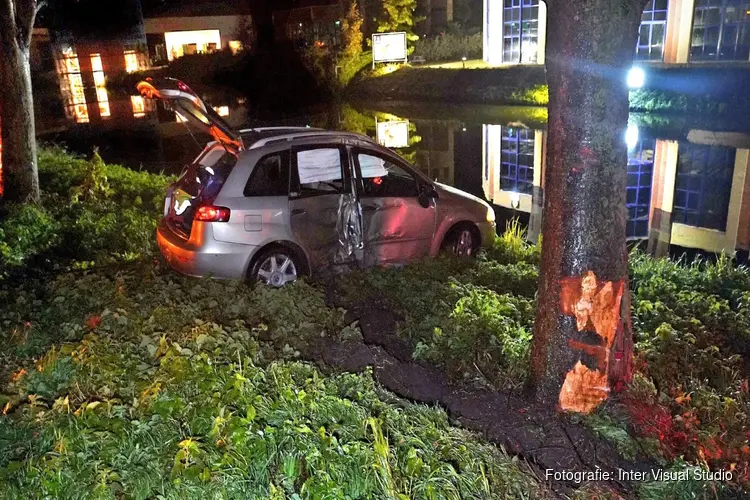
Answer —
118 377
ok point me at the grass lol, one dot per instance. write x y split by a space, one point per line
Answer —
468 64
186 388
119 378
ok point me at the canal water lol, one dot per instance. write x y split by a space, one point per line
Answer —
688 181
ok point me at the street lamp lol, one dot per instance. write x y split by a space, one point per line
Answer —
463 61
636 78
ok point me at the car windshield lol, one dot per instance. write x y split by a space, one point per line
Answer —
199 185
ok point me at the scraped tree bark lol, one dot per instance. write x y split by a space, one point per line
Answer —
582 345
20 177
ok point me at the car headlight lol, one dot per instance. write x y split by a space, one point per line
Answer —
490 214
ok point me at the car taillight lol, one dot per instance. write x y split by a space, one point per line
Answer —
208 213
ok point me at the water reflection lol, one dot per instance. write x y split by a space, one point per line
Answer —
686 187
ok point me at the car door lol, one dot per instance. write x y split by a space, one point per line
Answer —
397 225
318 192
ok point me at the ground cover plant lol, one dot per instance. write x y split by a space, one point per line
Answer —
119 378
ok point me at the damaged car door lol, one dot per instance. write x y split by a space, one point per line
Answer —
323 211
398 219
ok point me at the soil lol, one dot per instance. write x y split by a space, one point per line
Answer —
543 437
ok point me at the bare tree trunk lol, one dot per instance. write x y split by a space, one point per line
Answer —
20 176
582 336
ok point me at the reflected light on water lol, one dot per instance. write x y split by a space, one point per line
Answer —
139 106
631 137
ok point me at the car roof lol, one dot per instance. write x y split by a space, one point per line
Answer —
258 137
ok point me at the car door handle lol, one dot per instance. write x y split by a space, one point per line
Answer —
299 211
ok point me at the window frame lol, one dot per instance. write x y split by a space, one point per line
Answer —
295 190
255 171
399 162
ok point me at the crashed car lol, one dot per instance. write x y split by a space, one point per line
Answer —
273 204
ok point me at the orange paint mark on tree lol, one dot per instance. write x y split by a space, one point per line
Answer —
596 307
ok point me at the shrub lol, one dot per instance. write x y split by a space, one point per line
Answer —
90 211
25 231
449 47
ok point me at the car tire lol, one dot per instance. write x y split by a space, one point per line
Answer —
276 266
461 241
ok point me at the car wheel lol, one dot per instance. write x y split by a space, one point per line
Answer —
276 267
462 242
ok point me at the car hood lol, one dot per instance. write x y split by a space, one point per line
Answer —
469 202
457 194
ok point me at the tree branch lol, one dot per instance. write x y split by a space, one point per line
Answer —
8 14
25 16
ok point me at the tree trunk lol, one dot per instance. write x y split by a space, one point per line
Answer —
20 177
582 336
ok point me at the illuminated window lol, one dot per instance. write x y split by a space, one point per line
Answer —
71 85
222 110
703 185
520 31
650 45
721 30
180 43
235 46
99 82
131 61
638 200
517 160
139 106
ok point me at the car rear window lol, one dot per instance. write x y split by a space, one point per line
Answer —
270 176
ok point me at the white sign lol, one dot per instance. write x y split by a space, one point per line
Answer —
394 134
388 47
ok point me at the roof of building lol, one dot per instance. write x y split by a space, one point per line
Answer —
200 8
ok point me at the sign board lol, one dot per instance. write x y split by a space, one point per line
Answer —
388 47
393 134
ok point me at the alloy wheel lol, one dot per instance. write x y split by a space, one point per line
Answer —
277 270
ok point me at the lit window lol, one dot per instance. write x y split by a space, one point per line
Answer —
638 198
71 86
139 106
650 45
180 43
101 90
235 46
222 110
520 31
131 61
96 62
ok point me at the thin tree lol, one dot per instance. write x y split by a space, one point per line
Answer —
582 345
20 176
399 15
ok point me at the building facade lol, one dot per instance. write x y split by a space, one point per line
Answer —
672 32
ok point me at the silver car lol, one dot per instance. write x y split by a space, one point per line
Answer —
273 204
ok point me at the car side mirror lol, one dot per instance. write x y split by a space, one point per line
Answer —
427 193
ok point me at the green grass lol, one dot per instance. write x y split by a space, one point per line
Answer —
119 378
183 388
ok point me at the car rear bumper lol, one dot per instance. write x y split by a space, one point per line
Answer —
209 258
488 231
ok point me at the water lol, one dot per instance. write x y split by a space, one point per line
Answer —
688 182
